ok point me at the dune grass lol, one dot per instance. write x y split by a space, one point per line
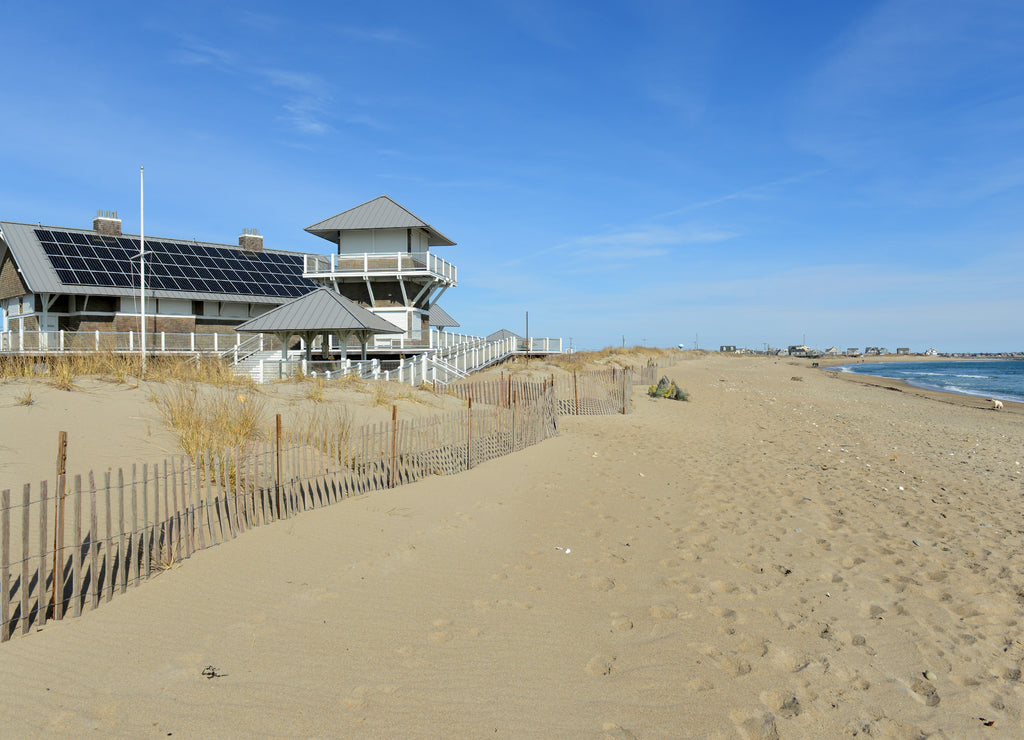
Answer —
210 420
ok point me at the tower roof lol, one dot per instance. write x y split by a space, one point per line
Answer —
379 213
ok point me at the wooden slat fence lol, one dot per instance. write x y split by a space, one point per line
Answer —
607 391
80 542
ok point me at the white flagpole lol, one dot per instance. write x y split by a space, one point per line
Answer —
142 276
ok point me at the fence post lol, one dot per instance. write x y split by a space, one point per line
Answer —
97 340
575 392
58 524
469 441
394 442
5 569
277 457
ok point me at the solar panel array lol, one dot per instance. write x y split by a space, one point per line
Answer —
99 260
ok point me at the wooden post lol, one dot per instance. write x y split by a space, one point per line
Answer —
575 393
5 565
145 544
41 601
514 404
122 550
94 547
133 540
76 551
58 524
394 442
108 561
469 440
23 586
277 458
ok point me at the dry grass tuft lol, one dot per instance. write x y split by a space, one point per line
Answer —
381 395
314 392
213 421
25 398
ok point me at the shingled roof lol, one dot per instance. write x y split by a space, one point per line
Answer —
379 213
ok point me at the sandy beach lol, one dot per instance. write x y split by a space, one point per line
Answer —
793 553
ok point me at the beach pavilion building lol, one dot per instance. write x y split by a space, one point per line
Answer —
74 289
66 279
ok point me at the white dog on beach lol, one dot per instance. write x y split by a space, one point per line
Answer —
996 403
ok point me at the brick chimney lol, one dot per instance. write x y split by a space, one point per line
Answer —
251 239
107 222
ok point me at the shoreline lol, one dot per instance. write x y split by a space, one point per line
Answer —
958 399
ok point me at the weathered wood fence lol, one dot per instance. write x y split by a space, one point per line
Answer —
83 540
606 391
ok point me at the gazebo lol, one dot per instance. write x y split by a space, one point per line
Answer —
320 312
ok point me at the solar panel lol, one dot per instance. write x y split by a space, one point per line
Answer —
88 259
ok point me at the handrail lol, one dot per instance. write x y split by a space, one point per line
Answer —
376 263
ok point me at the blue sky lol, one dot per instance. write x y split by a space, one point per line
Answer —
741 172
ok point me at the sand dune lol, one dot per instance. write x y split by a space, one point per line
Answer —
787 555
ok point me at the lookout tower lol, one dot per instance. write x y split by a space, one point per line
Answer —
383 261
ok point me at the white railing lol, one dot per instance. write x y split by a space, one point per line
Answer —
443 358
116 341
367 264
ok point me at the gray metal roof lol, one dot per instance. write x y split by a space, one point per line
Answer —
502 334
379 213
440 317
322 310
40 276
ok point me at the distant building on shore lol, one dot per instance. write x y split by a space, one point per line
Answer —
903 350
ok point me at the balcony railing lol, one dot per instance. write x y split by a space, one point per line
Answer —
397 264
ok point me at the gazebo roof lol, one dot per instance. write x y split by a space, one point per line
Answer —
322 310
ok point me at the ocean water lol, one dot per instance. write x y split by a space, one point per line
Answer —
1003 379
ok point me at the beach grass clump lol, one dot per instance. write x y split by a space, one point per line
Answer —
65 370
210 421
381 395
213 371
17 366
314 391
25 398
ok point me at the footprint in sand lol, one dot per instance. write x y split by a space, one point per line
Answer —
783 703
600 665
664 611
621 622
614 731
602 583
755 726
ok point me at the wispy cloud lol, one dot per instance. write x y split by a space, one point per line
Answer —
376 35
761 191
306 95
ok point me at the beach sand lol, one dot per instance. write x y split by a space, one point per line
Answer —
789 554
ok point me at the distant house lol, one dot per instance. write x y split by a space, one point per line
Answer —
727 348
802 350
872 351
852 352
931 352
903 350
832 351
